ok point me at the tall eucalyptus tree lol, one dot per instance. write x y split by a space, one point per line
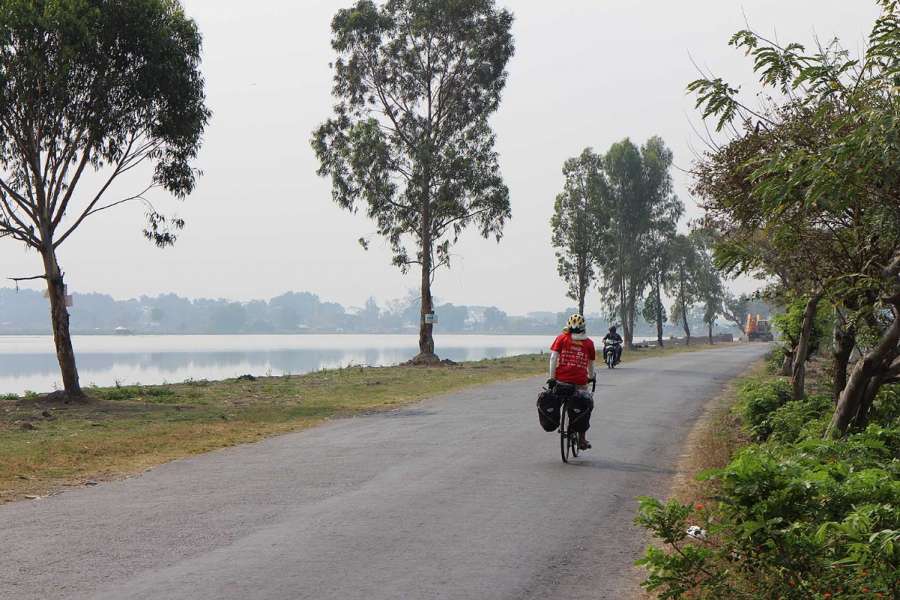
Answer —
640 212
93 87
576 223
416 82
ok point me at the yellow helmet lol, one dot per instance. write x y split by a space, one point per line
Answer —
576 324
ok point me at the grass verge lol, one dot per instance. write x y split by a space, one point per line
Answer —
45 447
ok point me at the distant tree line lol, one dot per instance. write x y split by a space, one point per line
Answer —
25 312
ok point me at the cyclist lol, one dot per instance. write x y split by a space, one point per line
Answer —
572 357
615 344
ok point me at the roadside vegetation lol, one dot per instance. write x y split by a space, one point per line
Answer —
793 513
804 194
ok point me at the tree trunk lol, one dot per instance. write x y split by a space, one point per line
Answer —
787 365
854 394
684 315
59 317
426 330
659 312
584 281
798 370
629 326
844 342
710 333
861 419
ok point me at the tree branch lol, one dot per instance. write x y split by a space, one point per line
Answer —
16 280
127 162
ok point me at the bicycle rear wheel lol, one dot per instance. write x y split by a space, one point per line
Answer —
564 444
573 442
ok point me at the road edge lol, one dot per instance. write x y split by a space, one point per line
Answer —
714 437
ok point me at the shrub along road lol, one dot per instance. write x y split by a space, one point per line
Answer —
461 496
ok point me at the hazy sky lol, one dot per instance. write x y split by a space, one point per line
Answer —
585 73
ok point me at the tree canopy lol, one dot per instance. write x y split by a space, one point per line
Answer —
806 189
101 85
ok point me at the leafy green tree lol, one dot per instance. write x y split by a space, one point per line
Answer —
816 176
638 213
711 292
416 82
575 223
736 309
681 282
710 289
92 86
654 311
666 210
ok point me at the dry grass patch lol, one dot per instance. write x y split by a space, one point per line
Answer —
45 446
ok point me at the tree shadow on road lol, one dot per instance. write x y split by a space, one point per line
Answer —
624 467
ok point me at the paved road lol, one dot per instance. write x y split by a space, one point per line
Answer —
459 497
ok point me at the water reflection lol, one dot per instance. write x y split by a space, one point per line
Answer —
38 371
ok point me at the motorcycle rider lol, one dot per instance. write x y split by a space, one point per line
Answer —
572 357
615 344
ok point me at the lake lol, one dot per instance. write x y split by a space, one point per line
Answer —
29 362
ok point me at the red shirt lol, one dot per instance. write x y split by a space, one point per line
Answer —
574 357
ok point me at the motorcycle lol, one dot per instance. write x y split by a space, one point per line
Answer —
613 352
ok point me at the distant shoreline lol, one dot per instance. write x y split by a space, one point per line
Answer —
334 333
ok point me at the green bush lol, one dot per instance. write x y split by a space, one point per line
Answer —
796 516
821 517
800 419
774 359
886 408
757 401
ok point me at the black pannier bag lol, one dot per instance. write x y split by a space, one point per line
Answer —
580 407
548 405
